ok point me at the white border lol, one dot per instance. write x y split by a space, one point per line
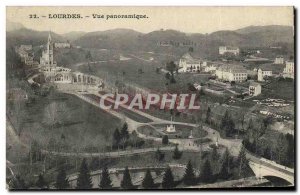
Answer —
3 5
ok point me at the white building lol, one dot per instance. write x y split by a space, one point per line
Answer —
289 69
57 74
210 68
261 74
279 60
231 73
197 86
227 49
254 89
62 45
187 63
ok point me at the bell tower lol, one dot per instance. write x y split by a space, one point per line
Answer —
50 51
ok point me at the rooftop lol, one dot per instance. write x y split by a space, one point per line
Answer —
254 84
233 68
189 58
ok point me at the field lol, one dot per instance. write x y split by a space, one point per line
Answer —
141 71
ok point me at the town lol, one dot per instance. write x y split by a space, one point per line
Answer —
94 111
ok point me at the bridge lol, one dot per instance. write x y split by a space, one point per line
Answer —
263 167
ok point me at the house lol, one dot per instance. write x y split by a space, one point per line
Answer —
231 73
23 54
279 60
228 49
189 64
197 86
26 54
289 69
23 48
261 74
254 89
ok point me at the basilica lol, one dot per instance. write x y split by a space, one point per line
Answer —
57 74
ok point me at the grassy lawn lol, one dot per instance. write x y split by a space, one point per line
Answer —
128 72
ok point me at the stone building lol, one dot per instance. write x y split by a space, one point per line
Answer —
254 89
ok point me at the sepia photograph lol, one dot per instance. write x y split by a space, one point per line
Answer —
121 98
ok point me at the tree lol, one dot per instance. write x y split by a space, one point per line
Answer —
124 131
242 118
157 70
206 173
242 162
41 183
168 76
159 155
116 137
148 182
168 179
282 149
89 58
177 154
18 183
214 154
84 180
225 167
290 153
208 116
134 138
171 67
257 133
227 124
105 182
189 177
165 140
124 134
191 87
126 182
61 180
201 92
172 80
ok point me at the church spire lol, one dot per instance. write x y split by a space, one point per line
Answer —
49 37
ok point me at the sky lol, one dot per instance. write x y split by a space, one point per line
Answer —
185 19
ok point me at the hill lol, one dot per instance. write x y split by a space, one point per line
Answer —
11 26
109 39
177 42
27 36
274 28
74 35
